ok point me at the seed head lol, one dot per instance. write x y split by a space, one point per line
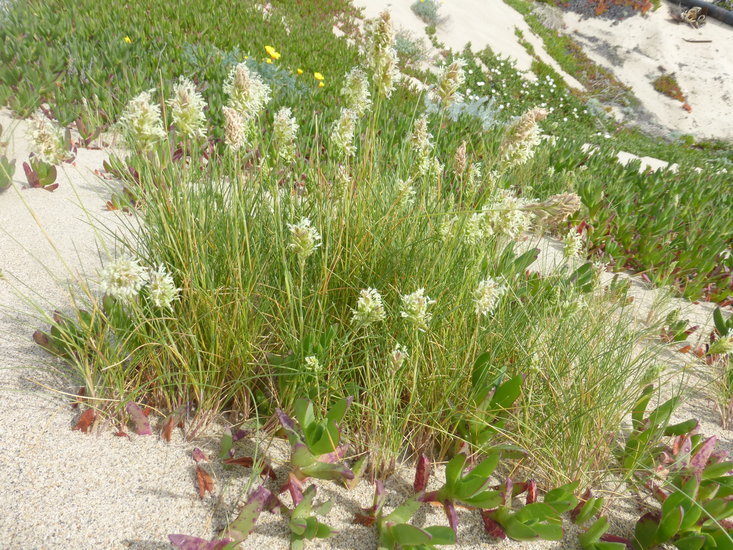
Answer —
415 308
187 109
47 139
142 122
369 308
122 278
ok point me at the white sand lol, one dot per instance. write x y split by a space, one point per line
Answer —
638 48
480 22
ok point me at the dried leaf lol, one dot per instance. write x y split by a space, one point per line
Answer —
248 462
86 419
79 397
205 482
685 349
167 430
492 527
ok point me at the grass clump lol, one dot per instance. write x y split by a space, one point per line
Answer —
356 264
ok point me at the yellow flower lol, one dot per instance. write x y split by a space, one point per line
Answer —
128 40
300 71
246 57
272 52
268 60
318 76
321 84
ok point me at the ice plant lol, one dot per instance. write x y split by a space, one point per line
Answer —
47 140
161 287
142 122
573 243
285 130
420 140
369 308
304 238
122 278
342 134
487 295
451 78
248 93
315 445
187 109
356 91
235 131
415 308
521 137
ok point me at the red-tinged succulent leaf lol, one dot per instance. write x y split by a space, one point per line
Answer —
700 459
531 491
718 456
198 455
86 420
139 419
682 445
295 488
585 497
205 482
422 474
31 175
492 527
186 542
287 422
338 454
451 514
51 188
241 527
121 433
41 338
615 538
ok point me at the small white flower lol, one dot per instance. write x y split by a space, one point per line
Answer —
356 91
342 133
487 295
161 287
142 122
415 308
398 356
235 129
312 364
573 244
248 93
285 129
122 278
369 308
304 238
47 139
187 109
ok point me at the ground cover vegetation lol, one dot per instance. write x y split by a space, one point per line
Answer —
88 88
334 241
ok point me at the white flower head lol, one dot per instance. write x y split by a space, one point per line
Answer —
304 238
398 356
235 129
573 244
161 287
122 278
369 308
187 109
487 296
342 134
356 91
451 78
248 93
522 137
421 143
47 139
415 308
406 193
285 130
312 364
142 122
